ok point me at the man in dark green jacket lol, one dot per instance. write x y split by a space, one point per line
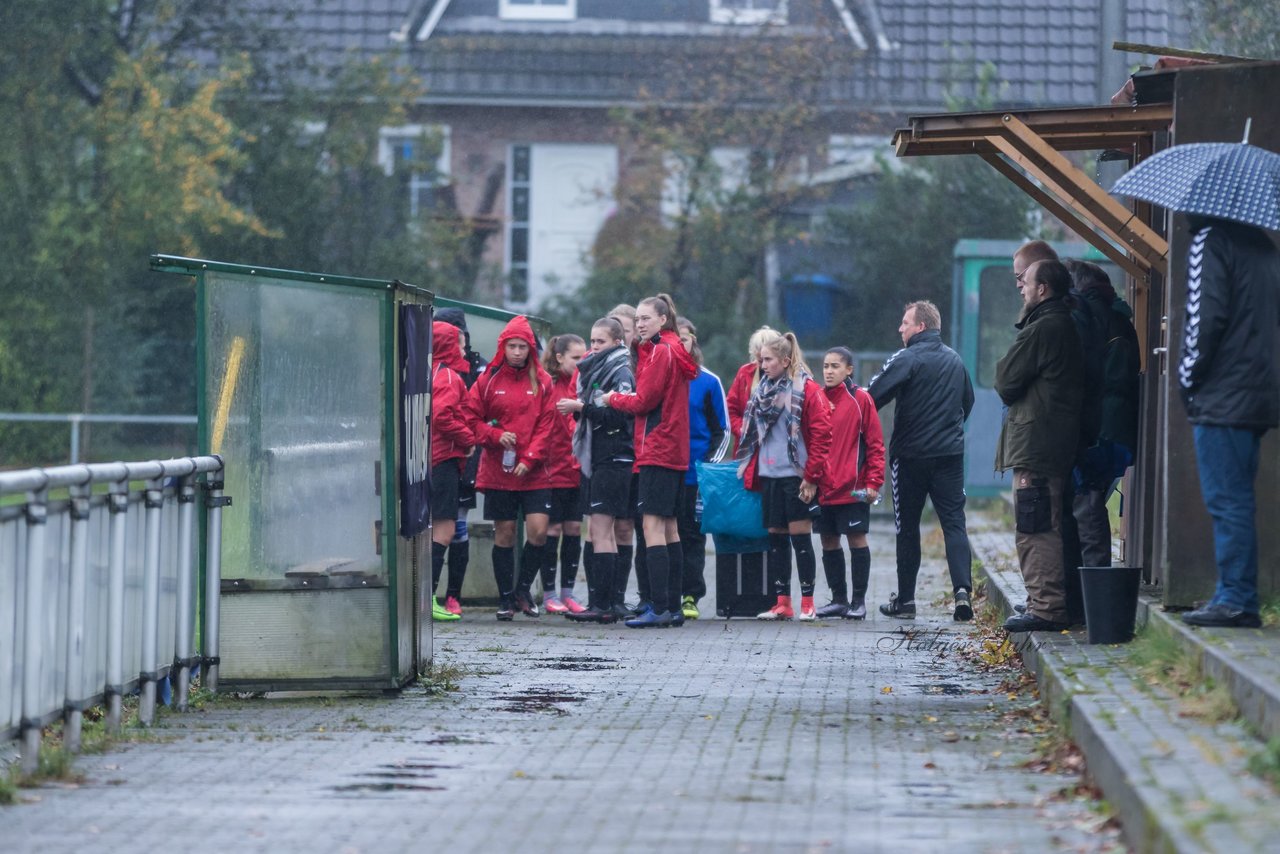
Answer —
1040 381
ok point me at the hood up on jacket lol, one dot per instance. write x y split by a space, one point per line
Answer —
446 347
517 328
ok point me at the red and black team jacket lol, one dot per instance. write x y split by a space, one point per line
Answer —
563 470
856 458
504 394
738 397
661 402
815 429
452 432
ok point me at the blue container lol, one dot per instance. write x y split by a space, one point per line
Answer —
809 306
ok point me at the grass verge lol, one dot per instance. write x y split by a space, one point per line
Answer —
1163 662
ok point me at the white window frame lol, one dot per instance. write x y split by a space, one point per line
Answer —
540 10
721 13
387 137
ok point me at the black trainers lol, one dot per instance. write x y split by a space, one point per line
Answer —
506 611
834 608
525 603
857 609
1222 616
901 610
964 607
1032 623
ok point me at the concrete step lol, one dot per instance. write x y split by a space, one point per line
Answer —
1178 783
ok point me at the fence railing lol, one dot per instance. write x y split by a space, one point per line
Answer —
76 419
98 590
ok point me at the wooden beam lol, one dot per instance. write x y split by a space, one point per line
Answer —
1180 52
1119 219
1136 267
1060 190
1144 119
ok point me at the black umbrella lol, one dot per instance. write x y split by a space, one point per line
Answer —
1225 180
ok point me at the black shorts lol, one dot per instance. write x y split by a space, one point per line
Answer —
446 476
565 505
608 492
781 504
839 520
503 505
633 497
659 492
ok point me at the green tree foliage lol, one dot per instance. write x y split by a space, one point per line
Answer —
903 237
1239 27
129 127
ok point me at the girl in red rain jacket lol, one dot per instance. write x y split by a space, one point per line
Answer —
513 410
786 432
855 474
452 436
561 362
746 379
661 407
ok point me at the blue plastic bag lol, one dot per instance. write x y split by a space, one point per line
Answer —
727 506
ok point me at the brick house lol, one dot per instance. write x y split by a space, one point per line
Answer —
521 90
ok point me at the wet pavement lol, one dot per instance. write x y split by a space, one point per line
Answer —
721 736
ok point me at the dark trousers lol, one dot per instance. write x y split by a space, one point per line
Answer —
941 479
1227 459
693 573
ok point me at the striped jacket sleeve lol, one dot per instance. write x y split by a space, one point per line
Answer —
1207 310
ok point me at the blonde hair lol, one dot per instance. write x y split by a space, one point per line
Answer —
762 336
622 310
786 347
758 339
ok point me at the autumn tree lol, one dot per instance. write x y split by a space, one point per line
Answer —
129 127
710 168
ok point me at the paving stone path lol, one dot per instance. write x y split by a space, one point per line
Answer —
721 736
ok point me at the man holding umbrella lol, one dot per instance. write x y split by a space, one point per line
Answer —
1227 372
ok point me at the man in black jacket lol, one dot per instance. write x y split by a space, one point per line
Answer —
1101 464
1231 392
926 455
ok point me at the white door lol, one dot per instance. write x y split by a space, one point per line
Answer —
571 195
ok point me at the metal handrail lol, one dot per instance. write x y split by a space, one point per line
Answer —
75 419
69 662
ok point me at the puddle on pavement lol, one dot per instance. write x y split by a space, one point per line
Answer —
577 662
949 689
386 787
538 700
453 739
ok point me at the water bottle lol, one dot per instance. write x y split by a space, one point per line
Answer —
697 509
508 454
864 495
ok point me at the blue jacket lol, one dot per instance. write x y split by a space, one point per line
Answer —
708 419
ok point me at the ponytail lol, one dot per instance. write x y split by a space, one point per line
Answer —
556 347
666 308
786 346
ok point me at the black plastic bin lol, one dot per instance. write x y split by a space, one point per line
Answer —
1110 601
